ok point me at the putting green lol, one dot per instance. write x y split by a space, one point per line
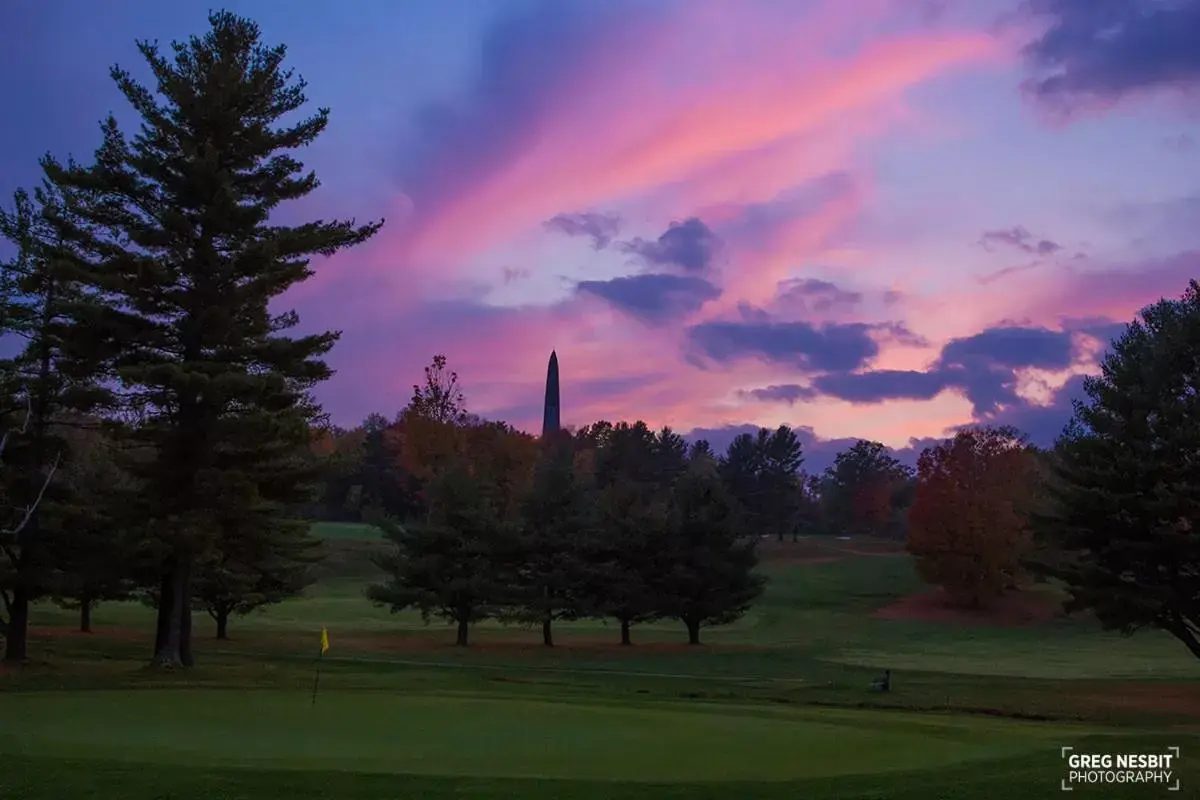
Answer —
493 737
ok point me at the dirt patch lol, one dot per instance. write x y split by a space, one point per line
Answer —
107 633
1012 610
1182 699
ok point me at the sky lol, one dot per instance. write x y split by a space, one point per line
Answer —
879 219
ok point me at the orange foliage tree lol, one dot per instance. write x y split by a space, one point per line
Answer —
969 522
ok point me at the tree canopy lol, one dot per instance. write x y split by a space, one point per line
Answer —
1122 527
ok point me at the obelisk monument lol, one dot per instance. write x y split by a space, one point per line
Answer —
550 421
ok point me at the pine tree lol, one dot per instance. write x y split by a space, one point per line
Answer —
1122 527
552 563
632 488
260 558
40 300
710 562
449 565
92 546
188 261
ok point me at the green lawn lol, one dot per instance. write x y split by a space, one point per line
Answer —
776 705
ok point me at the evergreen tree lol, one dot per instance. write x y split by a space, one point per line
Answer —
94 535
259 559
1122 528
709 576
631 497
447 565
188 262
763 474
40 300
552 563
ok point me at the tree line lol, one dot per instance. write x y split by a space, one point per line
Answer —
159 438
614 521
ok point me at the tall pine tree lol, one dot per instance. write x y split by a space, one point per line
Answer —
189 259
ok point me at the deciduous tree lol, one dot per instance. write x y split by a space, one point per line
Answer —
859 489
969 522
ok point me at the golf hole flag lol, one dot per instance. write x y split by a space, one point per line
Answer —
324 640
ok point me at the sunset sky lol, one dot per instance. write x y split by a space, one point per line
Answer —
864 218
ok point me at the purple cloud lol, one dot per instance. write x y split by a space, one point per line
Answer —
789 393
821 295
1103 50
827 348
654 298
690 245
1020 239
879 385
600 228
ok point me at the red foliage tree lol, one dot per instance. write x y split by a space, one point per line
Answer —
969 522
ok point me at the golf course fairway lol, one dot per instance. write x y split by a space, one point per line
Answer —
495 737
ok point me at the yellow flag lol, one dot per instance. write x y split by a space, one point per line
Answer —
324 640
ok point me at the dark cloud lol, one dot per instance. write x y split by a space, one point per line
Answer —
1013 347
600 228
1043 423
825 348
983 367
690 245
1019 238
1101 50
880 385
817 294
789 393
653 298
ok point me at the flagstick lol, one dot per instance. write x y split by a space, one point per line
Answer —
317 681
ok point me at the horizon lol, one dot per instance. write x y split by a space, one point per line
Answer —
880 220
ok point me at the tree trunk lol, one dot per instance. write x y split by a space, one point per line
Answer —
463 628
16 634
547 633
222 618
693 629
185 619
166 590
625 640
85 615
167 650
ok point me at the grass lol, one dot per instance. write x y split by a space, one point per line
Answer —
775 705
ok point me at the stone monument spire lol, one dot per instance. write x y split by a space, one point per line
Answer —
550 413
